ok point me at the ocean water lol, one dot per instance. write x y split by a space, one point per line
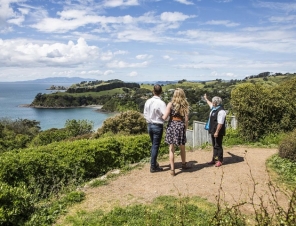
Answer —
14 95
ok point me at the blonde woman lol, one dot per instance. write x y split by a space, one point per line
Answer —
177 110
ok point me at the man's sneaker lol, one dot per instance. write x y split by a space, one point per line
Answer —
218 164
211 162
157 169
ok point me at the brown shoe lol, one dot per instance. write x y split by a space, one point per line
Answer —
185 166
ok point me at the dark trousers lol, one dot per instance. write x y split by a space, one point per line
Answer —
155 132
217 148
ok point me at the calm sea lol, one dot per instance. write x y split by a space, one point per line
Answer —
13 95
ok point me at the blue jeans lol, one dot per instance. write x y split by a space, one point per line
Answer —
155 132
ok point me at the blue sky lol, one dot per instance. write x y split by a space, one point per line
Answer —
146 40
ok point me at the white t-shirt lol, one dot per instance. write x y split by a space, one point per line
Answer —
154 109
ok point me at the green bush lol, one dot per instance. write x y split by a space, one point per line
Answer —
129 122
17 133
287 147
233 137
262 110
16 204
49 136
78 127
51 167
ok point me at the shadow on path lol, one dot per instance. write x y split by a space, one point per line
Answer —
232 159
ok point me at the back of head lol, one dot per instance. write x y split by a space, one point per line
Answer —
179 102
179 94
157 90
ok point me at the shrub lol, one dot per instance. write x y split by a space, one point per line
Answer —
129 122
233 137
50 168
49 136
262 110
16 204
16 133
287 147
78 127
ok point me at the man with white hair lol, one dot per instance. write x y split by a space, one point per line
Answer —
217 128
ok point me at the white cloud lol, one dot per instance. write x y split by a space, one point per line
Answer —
108 72
133 74
6 11
118 3
167 57
29 54
95 72
269 40
186 2
285 6
122 64
17 21
107 56
73 19
144 56
174 17
120 52
138 35
226 23
224 1
284 19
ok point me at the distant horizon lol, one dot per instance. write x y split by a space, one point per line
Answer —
71 79
76 79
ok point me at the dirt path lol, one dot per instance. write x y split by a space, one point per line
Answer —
141 186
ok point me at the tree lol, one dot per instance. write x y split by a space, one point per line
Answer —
78 127
129 122
261 110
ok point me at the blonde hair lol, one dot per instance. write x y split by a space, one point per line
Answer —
180 103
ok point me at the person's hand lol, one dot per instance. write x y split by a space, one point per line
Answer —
215 134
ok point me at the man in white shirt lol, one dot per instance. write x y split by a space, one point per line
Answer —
153 110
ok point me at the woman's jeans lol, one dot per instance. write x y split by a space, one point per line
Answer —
155 132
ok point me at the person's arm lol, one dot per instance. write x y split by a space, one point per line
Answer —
208 102
167 111
186 122
219 126
145 113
